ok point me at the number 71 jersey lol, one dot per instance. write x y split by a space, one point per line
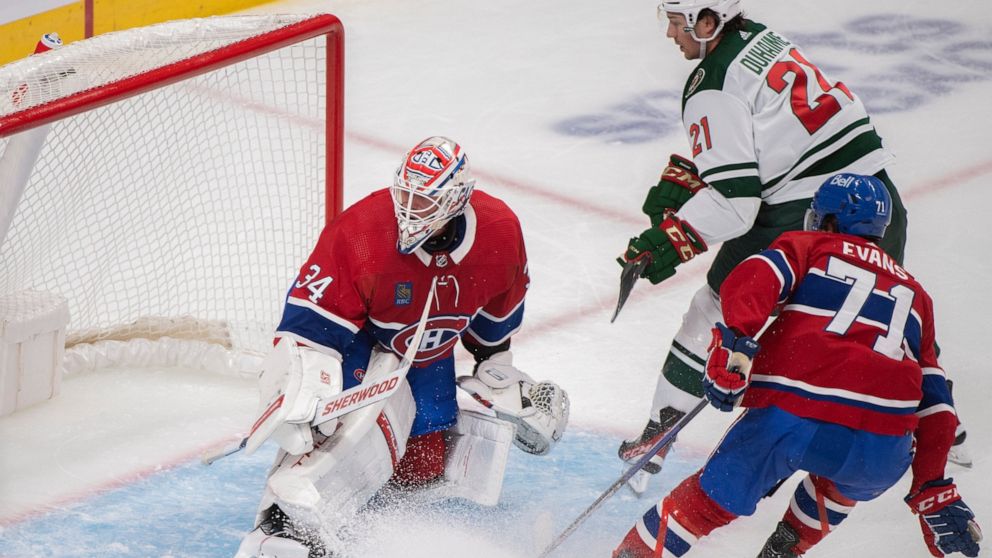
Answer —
853 343
764 120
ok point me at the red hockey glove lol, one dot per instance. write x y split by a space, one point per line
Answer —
671 243
727 367
679 182
948 523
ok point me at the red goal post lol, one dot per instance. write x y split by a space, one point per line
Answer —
169 180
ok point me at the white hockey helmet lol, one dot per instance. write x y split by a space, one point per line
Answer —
725 11
432 186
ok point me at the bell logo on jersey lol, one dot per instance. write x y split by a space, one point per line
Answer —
440 335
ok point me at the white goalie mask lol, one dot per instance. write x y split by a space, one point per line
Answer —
432 186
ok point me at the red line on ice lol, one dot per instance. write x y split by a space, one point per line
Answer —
594 310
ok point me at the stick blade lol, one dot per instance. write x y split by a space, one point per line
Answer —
211 455
628 278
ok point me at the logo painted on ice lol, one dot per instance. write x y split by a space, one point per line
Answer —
440 335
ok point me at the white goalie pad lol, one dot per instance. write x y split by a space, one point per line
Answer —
293 379
326 487
478 447
538 409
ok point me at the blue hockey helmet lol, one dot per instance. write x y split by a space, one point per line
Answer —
861 205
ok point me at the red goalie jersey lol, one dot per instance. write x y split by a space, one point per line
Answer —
854 342
356 279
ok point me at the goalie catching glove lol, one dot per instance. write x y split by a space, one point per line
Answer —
538 409
668 245
678 183
293 380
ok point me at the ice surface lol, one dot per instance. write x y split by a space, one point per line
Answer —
568 109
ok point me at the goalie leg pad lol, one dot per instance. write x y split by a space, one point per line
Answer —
328 485
478 448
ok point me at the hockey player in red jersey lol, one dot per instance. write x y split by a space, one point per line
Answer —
844 377
354 308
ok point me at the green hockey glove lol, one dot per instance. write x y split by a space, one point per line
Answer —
679 182
670 244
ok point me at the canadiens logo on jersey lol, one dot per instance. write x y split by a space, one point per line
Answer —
403 294
440 335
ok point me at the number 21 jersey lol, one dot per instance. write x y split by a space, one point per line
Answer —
763 120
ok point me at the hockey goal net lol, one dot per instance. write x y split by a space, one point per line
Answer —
168 181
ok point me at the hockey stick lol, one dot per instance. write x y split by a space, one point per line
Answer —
209 456
370 391
661 444
373 389
628 278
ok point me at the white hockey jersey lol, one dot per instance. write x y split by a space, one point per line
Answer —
765 125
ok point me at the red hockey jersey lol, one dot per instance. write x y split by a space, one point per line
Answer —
854 338
355 278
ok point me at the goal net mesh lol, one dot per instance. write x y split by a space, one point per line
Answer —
184 210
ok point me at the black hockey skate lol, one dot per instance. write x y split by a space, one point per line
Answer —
278 524
632 450
781 543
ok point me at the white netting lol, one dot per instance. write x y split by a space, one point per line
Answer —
200 198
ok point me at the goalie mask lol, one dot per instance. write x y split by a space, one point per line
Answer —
431 187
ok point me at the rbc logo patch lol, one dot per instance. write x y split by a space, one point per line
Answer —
403 294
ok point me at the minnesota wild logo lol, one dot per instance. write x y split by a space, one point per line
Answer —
697 78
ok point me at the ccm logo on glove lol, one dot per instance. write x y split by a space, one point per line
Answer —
940 498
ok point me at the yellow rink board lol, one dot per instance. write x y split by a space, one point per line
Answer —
18 38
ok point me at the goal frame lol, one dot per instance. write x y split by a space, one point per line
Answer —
321 24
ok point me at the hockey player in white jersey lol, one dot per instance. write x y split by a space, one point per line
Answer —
766 127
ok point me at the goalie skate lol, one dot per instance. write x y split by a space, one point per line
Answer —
276 537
